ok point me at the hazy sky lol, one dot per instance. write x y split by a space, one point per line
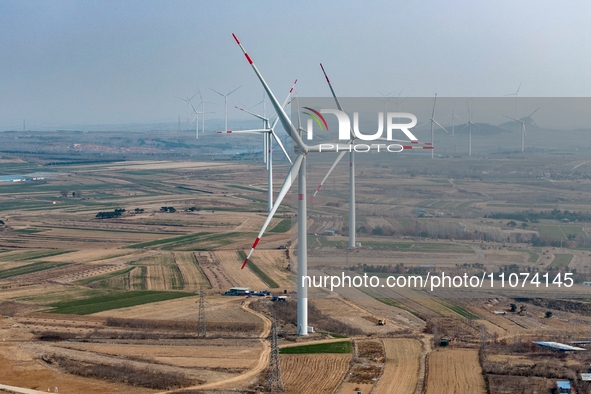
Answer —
99 62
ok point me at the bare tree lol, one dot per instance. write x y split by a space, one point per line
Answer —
64 193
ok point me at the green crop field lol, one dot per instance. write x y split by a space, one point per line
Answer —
561 260
282 227
32 255
102 303
29 269
333 347
181 239
257 271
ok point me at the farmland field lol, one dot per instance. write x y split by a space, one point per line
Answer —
454 371
126 289
402 367
313 373
113 301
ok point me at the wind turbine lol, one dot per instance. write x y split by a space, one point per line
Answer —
189 105
469 124
433 121
203 112
453 119
225 96
352 207
268 132
298 169
522 127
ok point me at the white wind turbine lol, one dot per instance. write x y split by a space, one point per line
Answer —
522 127
268 132
225 96
298 170
189 105
203 112
433 121
469 124
352 199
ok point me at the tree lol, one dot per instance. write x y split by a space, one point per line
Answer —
64 193
548 314
524 225
522 309
139 210
512 224
513 307
1 222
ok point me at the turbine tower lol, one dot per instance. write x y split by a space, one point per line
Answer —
298 170
225 96
522 130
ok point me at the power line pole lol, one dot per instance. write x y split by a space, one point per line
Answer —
275 382
201 323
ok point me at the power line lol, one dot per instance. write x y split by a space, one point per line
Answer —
201 323
275 382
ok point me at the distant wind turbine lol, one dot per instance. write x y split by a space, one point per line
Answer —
189 105
225 96
433 121
469 124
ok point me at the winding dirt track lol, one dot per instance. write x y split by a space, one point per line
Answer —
245 377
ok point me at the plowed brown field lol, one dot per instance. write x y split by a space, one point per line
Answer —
455 371
402 367
313 373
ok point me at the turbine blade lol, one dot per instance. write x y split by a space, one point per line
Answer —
234 90
285 121
250 112
281 146
530 115
336 99
253 131
339 157
443 128
340 108
291 175
221 94
511 118
434 102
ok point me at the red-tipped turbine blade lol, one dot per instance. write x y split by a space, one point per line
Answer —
338 159
289 179
285 121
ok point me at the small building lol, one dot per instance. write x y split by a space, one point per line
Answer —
563 386
586 377
238 291
330 232
500 312
446 341
586 283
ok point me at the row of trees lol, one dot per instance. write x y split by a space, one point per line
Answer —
75 194
534 217
109 215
